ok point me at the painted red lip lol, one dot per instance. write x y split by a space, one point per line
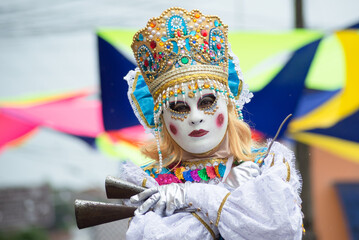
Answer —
198 133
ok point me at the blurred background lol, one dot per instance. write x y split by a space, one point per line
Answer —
65 122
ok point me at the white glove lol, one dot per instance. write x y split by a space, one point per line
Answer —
242 173
163 199
166 199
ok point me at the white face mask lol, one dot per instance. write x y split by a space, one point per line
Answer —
205 121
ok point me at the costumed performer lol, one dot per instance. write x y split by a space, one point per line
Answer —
210 180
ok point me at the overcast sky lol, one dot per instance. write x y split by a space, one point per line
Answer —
50 46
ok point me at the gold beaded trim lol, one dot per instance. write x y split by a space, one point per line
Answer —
129 222
204 224
240 86
179 73
288 169
221 207
144 181
272 164
196 164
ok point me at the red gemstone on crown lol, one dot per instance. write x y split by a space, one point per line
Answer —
179 33
153 44
204 33
146 63
219 46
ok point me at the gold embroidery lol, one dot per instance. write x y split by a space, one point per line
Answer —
144 181
221 207
240 86
288 169
272 164
204 224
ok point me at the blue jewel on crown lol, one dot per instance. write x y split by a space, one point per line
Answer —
181 44
183 47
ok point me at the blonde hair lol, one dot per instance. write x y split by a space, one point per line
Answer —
239 137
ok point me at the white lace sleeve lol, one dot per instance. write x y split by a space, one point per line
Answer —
267 207
279 155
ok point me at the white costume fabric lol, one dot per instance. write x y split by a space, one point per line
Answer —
264 204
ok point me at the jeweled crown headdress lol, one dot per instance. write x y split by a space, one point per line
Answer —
181 46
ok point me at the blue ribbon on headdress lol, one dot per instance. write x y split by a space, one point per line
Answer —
145 101
233 79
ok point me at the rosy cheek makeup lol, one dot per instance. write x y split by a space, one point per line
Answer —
173 129
220 120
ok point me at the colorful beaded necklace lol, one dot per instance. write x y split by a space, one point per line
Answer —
197 171
203 170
